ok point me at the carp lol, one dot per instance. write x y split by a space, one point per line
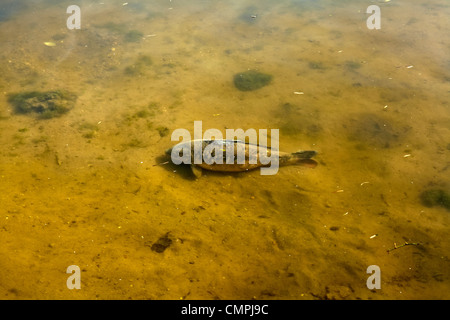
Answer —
224 155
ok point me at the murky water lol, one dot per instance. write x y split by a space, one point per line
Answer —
88 187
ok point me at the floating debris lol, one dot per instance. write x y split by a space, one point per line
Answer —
50 44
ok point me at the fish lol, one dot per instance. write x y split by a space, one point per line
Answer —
222 155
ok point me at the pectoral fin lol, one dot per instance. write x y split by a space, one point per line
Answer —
197 171
310 163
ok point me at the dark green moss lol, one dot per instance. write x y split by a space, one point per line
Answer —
163 131
113 27
293 120
316 65
133 36
134 143
352 65
436 197
142 113
59 36
169 65
131 70
290 128
89 135
139 66
88 126
40 139
251 80
144 60
374 130
153 105
46 105
18 140
288 108
88 129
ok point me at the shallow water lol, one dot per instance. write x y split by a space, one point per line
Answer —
88 188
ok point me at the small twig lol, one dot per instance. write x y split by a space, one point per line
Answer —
405 244
160 164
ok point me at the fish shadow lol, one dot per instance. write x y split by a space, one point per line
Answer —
185 172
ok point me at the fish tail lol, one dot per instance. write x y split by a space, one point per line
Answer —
300 158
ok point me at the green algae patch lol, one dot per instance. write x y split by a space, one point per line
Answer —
119 28
251 80
44 105
133 36
139 67
163 131
435 197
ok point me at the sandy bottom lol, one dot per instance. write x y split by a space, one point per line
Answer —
89 188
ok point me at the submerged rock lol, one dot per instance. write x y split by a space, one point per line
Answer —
46 105
251 80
